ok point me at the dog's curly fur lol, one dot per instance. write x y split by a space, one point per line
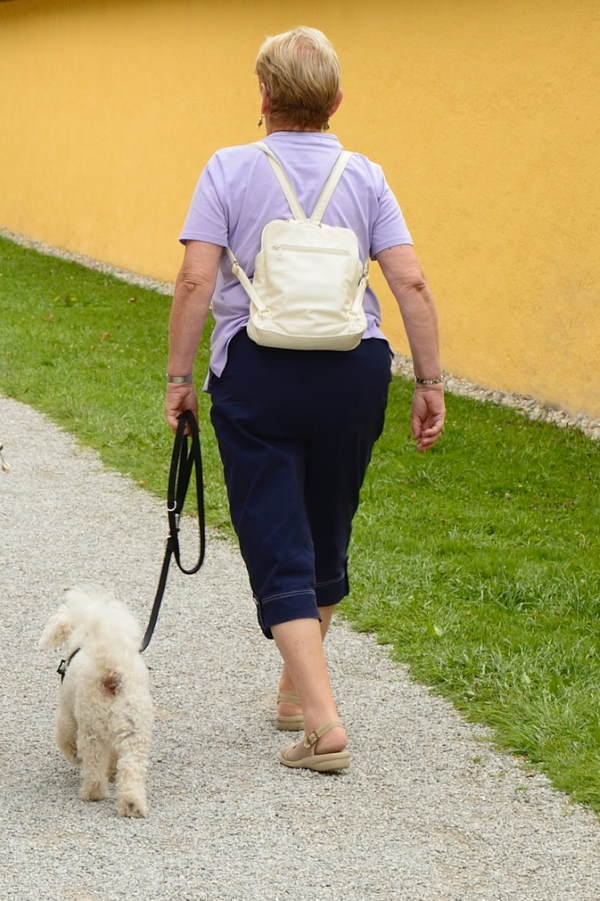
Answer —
104 718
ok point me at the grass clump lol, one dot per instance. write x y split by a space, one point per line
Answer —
479 562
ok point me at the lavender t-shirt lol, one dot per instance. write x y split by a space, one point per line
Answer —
237 194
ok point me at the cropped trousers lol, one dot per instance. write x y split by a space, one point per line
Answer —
295 431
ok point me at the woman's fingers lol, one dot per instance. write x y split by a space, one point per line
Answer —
428 414
435 429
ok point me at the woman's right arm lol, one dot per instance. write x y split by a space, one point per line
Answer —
407 283
191 302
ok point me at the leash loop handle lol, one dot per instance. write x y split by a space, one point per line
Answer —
184 460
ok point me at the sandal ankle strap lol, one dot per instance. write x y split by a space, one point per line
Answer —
313 737
286 697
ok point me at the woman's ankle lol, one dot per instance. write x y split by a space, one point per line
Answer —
318 715
286 706
286 685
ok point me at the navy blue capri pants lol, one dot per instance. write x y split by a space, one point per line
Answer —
296 430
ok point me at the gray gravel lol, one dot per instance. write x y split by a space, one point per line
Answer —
428 811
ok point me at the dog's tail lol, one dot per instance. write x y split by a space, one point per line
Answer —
111 683
111 651
111 634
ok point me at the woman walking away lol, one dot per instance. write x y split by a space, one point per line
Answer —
296 426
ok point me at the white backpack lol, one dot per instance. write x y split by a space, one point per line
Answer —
309 281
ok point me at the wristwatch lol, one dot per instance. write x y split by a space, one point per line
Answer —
179 379
436 381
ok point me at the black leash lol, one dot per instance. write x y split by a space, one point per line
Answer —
183 461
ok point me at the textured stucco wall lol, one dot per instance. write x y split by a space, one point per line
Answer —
483 114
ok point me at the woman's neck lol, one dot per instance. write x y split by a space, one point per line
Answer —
272 127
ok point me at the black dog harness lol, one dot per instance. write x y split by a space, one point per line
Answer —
64 664
184 461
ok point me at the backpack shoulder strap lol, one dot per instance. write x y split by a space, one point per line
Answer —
244 281
330 186
286 185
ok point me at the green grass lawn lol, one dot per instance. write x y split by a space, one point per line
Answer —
479 562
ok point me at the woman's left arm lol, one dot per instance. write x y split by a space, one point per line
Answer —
194 288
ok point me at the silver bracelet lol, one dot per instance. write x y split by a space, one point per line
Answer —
437 381
179 379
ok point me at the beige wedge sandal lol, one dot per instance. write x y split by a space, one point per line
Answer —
295 721
303 754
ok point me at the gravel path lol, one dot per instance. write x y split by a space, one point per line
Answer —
428 812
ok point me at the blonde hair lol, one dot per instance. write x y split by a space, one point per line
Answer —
301 73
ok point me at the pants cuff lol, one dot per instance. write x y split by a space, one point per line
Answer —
282 608
332 592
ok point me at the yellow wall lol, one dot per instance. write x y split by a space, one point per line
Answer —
484 114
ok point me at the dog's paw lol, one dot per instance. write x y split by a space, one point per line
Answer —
131 806
70 752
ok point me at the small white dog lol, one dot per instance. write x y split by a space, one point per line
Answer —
104 718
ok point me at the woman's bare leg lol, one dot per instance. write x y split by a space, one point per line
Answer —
286 682
300 644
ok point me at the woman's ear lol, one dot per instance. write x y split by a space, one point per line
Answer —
265 104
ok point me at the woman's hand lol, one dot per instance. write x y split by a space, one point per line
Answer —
179 398
428 415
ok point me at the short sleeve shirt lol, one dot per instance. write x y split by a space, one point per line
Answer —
237 194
